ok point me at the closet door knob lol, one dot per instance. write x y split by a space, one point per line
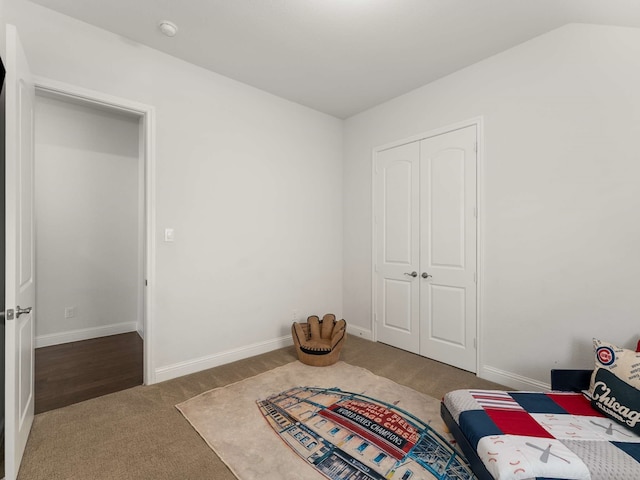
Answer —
22 311
412 274
426 275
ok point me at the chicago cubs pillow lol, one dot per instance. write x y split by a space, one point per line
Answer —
615 384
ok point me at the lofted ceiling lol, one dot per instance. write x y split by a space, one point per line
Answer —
340 56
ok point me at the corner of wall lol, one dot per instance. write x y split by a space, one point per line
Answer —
360 332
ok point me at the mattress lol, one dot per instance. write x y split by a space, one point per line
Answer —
556 435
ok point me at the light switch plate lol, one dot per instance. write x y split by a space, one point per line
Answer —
169 235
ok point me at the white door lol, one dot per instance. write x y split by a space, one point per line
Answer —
397 239
448 248
425 247
19 282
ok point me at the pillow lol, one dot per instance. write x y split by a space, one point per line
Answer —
615 384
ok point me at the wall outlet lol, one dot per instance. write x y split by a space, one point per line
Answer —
294 315
70 312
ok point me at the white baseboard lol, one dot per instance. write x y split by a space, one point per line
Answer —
512 380
84 334
209 361
359 332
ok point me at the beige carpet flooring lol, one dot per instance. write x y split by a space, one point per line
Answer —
139 434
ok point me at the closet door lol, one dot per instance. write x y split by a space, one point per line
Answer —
397 246
448 248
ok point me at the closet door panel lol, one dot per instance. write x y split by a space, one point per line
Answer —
397 214
448 312
448 248
397 246
446 209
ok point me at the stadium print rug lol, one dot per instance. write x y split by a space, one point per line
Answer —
337 422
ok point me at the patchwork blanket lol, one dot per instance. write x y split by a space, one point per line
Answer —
525 435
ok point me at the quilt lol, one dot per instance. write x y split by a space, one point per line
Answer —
556 435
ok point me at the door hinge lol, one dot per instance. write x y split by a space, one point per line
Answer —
475 343
475 212
475 277
475 147
146 282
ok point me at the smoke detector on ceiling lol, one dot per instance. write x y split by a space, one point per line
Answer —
168 28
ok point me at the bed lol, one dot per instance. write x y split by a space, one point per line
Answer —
559 434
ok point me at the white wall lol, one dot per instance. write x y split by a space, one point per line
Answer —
251 184
560 196
87 210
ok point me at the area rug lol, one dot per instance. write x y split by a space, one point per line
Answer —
336 422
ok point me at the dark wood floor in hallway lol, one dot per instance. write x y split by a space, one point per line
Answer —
77 371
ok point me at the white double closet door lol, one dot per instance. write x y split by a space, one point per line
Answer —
425 242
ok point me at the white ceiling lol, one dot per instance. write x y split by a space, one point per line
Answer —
340 56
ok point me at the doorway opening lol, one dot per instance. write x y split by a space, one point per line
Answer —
88 251
92 254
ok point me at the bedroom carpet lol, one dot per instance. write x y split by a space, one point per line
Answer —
139 434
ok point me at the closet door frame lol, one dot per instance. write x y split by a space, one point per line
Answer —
478 123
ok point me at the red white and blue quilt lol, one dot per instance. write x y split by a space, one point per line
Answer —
557 435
